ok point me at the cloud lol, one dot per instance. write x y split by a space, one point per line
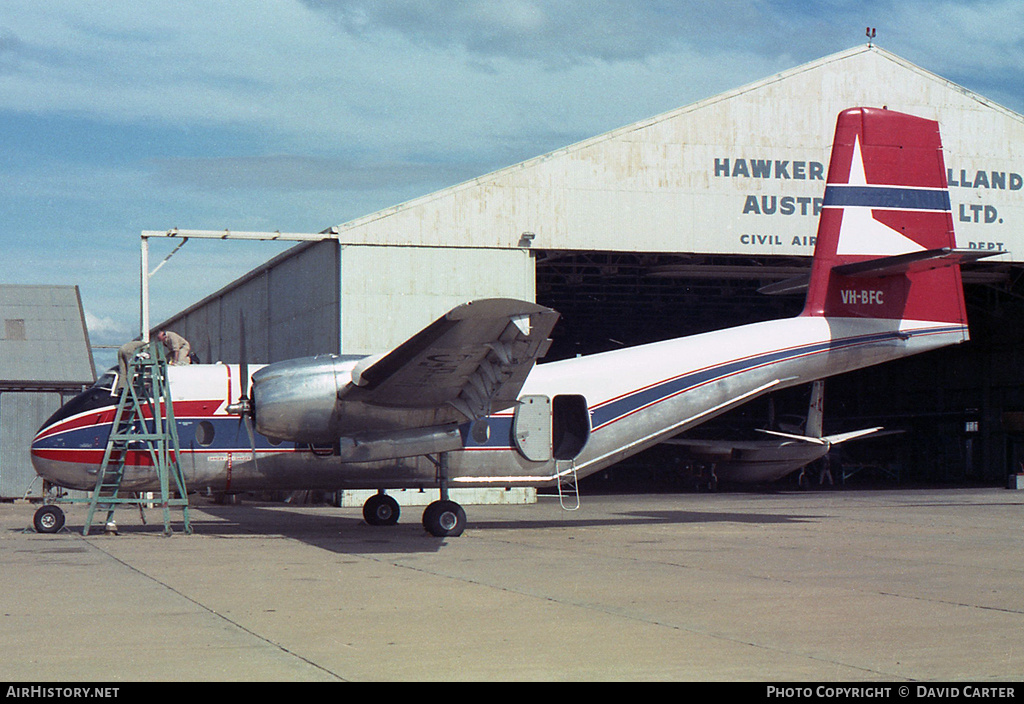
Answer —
549 31
103 326
304 173
11 48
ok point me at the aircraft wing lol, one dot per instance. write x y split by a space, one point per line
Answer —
467 364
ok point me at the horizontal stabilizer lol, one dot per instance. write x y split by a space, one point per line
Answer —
912 262
797 284
885 266
828 439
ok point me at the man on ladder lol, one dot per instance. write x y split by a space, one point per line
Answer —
144 387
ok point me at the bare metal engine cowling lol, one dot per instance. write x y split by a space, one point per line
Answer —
297 401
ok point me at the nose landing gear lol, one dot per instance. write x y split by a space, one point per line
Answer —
48 519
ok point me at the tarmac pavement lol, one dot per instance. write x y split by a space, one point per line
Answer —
832 586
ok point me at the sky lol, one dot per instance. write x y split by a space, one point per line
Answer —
296 115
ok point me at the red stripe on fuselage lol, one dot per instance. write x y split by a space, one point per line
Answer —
105 415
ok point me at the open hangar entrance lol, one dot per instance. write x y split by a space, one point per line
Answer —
957 413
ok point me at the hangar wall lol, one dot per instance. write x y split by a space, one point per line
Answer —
389 293
740 173
288 308
323 297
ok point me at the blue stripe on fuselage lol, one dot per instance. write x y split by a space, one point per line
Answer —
886 197
618 408
228 434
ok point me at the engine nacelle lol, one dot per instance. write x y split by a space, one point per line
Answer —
297 400
370 447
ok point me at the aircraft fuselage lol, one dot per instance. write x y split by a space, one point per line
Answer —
633 398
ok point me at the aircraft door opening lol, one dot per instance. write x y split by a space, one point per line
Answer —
570 426
545 429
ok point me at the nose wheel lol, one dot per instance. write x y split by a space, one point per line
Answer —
48 519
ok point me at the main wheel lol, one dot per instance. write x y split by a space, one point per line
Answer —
48 519
381 510
444 519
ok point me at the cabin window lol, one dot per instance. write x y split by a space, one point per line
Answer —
204 433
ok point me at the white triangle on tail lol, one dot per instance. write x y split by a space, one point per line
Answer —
859 232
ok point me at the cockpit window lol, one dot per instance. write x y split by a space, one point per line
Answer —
99 395
108 380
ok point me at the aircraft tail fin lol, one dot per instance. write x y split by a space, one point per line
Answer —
816 410
886 247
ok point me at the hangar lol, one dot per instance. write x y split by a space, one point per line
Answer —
669 226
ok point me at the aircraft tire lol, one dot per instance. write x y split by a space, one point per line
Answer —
444 519
381 510
48 519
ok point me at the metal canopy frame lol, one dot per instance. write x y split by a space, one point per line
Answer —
330 233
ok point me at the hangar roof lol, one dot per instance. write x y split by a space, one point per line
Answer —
44 343
738 173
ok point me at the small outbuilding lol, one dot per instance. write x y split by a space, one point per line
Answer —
45 358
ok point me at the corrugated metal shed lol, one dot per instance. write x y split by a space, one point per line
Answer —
44 357
44 342
322 297
288 306
738 173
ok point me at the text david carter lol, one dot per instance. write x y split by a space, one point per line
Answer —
920 691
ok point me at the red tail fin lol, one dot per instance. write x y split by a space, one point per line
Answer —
885 245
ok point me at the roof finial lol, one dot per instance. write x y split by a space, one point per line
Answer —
870 34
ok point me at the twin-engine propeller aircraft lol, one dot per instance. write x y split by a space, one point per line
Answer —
462 403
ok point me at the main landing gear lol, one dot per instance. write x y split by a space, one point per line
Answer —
442 519
381 510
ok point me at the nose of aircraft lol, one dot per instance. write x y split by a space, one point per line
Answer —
39 462
48 463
